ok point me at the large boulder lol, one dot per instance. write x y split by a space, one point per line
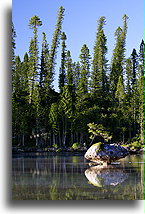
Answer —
103 153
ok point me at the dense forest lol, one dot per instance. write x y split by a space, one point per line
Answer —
95 95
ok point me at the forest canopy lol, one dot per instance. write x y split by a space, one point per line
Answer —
92 90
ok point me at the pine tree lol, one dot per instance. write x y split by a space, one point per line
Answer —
17 76
140 90
120 92
24 77
62 74
53 117
99 64
129 94
77 70
120 108
45 79
82 95
15 101
20 101
134 100
34 23
66 109
118 59
84 71
13 53
69 69
134 59
44 61
128 69
55 44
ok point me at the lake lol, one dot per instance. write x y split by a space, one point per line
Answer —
49 176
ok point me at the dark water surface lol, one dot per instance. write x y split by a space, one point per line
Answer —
46 176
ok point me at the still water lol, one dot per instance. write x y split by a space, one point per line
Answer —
47 176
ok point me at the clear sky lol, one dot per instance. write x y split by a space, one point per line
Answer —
80 22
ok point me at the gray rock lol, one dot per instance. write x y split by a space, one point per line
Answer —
102 153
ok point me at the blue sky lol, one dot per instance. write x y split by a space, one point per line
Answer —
80 22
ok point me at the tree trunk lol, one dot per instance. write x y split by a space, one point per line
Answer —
23 140
59 138
71 133
65 130
81 138
36 140
123 137
53 138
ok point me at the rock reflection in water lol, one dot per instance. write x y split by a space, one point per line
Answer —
105 176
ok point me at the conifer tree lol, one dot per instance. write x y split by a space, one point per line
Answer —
66 109
24 77
134 101
17 76
13 53
62 74
53 117
129 94
34 23
55 44
140 90
120 92
19 103
82 91
44 61
69 69
99 64
84 71
134 58
118 59
13 42
77 70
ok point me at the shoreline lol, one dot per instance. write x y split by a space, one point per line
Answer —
63 150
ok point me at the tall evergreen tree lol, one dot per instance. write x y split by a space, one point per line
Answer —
140 90
129 94
69 69
99 64
62 74
84 71
118 59
20 101
13 53
134 58
55 44
34 23
44 61
53 117
77 70
17 76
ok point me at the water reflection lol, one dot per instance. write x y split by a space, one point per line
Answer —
65 177
102 176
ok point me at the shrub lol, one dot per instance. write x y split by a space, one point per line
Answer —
76 146
55 146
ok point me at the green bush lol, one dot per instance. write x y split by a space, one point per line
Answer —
135 145
58 150
76 146
55 146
